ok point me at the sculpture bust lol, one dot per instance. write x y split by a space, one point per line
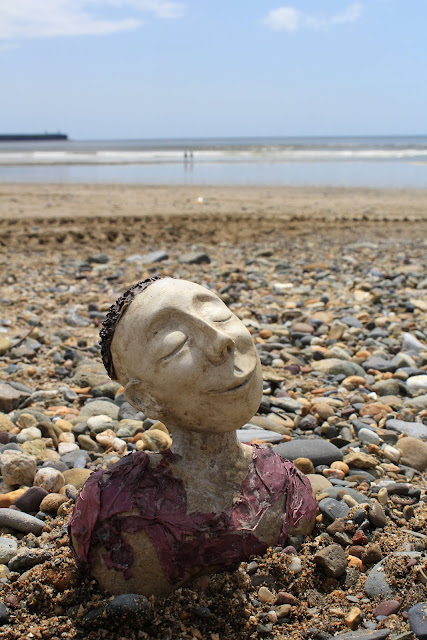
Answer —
153 521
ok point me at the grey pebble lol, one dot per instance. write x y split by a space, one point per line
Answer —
363 634
376 515
413 429
100 407
20 521
246 435
334 492
376 584
368 436
333 509
417 616
194 257
27 558
317 450
8 549
4 614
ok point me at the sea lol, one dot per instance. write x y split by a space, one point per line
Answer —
372 161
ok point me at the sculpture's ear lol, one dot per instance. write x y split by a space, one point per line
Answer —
141 399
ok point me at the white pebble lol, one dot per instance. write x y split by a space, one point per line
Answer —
96 421
391 453
30 433
66 447
119 445
295 565
67 436
49 479
106 438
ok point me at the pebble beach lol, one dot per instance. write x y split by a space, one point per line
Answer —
332 285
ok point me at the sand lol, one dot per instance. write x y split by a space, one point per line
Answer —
114 214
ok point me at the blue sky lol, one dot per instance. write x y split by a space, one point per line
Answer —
198 68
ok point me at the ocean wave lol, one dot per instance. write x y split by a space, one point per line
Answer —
254 154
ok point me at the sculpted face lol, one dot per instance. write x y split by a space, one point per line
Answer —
181 353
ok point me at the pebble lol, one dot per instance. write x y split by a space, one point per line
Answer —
361 460
52 502
363 634
415 383
332 560
100 407
76 477
387 608
20 521
10 397
8 549
30 500
265 595
376 515
333 509
30 433
317 450
417 616
27 558
413 429
194 257
4 614
368 436
413 453
17 468
376 584
120 608
304 465
49 479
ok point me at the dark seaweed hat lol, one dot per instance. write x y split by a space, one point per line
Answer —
115 313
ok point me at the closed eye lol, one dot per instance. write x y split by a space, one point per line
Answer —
222 319
175 351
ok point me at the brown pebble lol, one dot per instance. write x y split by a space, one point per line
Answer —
332 559
372 554
282 610
304 465
355 563
353 618
387 608
283 597
360 538
52 502
265 595
337 526
408 512
342 466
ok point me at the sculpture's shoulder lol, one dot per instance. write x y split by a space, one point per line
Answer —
279 475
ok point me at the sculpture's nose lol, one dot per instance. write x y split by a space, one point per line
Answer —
218 345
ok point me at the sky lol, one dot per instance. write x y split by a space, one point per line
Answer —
117 69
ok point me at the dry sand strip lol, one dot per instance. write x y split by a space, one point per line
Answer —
89 200
99 216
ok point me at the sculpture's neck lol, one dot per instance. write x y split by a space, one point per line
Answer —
212 467
207 451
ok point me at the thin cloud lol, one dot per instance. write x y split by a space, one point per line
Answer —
21 19
291 19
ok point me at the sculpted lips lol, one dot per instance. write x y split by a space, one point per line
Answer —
237 385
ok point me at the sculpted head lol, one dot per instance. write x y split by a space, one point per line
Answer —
182 356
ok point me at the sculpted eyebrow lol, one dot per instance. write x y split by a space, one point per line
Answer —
202 298
158 322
